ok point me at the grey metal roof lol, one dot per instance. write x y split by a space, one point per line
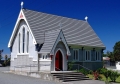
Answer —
76 31
50 38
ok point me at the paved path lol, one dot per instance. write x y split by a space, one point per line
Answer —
8 78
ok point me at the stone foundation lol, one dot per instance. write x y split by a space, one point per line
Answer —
24 63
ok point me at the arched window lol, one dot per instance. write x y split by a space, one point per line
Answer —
27 42
19 43
23 40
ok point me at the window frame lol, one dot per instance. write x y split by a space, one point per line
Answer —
86 56
98 56
74 54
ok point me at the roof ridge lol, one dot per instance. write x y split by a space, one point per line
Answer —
55 15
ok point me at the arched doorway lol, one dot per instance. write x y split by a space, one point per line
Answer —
58 61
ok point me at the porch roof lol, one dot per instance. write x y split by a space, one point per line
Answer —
50 38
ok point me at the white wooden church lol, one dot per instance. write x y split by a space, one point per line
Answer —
50 42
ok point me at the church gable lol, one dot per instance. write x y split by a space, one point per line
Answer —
62 39
21 18
52 38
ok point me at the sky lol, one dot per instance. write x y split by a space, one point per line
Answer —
103 16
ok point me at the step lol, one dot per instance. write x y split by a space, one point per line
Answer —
73 78
67 73
67 80
70 76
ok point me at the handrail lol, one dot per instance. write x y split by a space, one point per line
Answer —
62 71
85 68
82 66
58 69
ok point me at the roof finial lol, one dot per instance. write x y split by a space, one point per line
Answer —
60 24
22 4
86 18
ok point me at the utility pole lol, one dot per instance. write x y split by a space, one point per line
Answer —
1 55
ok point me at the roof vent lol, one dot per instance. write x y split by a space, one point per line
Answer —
22 4
86 18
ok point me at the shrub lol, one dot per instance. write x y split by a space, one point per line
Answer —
85 72
114 75
102 70
105 72
70 65
96 75
90 72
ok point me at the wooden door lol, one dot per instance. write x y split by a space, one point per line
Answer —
58 61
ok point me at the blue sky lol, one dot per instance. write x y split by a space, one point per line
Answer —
103 16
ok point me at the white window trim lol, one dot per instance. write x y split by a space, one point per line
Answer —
90 55
97 55
78 55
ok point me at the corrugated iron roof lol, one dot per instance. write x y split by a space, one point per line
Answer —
76 32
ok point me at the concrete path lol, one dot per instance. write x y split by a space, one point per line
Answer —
8 78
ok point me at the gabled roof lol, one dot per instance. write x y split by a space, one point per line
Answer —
76 31
21 17
52 38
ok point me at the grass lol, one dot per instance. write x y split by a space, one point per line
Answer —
103 78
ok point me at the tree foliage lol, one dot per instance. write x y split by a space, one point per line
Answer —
1 54
110 55
116 51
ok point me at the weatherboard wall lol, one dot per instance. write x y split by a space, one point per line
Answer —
15 52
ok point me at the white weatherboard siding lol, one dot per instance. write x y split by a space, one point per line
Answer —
23 58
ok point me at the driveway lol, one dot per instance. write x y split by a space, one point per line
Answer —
8 78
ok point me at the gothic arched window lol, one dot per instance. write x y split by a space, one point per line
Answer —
23 40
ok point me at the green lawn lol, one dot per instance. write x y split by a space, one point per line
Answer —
103 78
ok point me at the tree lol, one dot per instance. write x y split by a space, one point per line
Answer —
116 51
1 54
110 55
